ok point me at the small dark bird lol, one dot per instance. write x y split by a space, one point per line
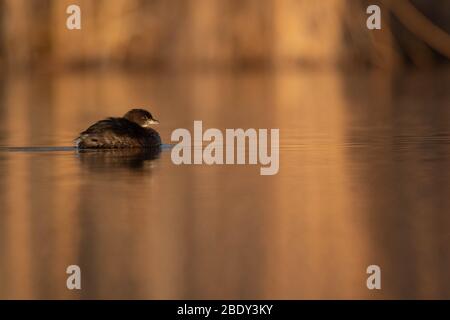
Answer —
131 131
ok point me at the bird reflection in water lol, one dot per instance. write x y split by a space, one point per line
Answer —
132 158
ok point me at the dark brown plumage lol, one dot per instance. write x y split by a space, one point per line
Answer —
131 131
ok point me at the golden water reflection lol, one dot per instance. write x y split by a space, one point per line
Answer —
363 180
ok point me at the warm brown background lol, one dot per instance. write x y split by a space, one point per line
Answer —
364 156
205 33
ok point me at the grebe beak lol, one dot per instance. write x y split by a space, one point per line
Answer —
149 122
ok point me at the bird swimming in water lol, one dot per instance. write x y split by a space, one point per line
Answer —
131 131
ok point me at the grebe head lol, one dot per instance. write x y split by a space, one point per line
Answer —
141 117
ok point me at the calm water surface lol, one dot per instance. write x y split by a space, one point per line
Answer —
364 179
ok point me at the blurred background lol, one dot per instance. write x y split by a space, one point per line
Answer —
364 149
156 34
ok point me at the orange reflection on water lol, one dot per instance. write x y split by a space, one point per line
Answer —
362 181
